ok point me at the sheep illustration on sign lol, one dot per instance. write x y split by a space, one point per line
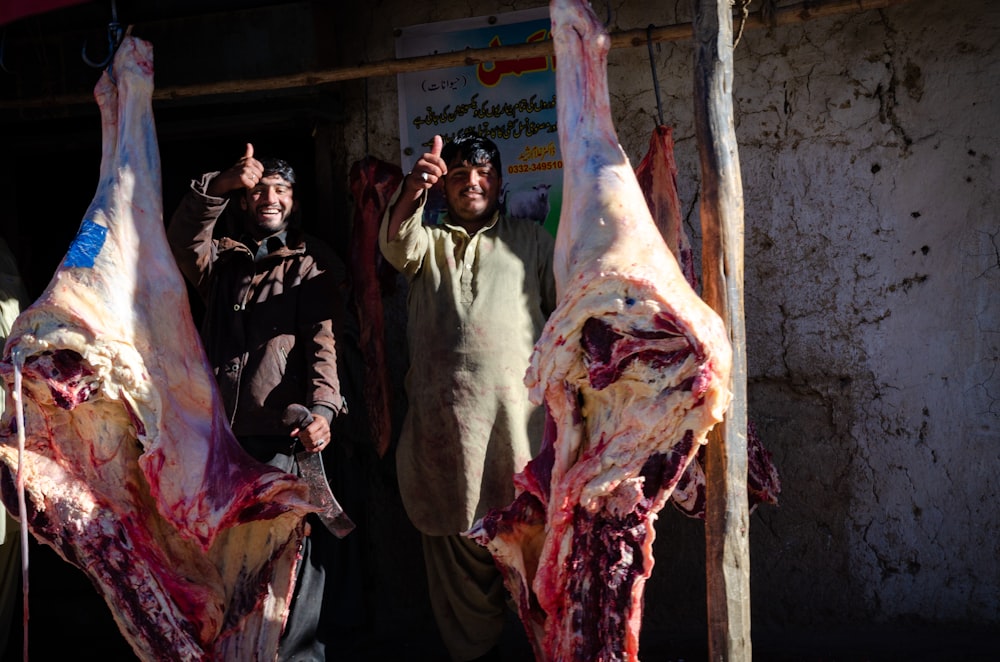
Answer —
532 203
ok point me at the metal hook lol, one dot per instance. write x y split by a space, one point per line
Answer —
114 40
652 66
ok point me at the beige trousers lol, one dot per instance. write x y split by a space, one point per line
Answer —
467 595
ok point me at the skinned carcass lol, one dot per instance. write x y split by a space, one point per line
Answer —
130 470
633 368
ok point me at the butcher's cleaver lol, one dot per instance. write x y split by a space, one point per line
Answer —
314 476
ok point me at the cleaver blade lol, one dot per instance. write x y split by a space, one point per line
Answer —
313 475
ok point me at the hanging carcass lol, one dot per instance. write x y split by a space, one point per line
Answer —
633 368
129 469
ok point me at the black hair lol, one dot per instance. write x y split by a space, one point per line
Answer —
473 149
280 168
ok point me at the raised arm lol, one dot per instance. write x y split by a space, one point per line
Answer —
426 172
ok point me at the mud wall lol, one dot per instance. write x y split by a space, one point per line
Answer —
868 145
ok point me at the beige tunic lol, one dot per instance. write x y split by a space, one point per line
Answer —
476 306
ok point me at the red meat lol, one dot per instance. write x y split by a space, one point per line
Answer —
372 183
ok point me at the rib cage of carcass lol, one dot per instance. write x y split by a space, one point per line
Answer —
633 369
130 470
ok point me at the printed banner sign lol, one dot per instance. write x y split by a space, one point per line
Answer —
513 103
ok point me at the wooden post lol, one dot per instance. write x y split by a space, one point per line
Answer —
727 511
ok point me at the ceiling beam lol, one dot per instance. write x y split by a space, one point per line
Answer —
798 13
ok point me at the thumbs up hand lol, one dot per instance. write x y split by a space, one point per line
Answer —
429 168
245 173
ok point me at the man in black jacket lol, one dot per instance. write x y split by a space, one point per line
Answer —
272 298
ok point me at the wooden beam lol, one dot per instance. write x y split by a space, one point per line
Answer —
727 527
797 13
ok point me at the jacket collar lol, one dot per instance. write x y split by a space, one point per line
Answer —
287 241
267 245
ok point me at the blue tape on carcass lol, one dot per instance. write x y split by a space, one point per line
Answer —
88 243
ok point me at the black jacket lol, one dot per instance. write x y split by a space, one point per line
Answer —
269 318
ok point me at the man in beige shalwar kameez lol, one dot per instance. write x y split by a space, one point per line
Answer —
480 291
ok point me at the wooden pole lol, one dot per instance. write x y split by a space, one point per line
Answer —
798 13
727 511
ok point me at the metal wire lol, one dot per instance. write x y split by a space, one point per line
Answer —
652 67
367 150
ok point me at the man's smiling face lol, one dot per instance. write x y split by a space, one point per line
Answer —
472 191
268 206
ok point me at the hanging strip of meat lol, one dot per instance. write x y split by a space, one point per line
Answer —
131 471
372 184
633 368
657 176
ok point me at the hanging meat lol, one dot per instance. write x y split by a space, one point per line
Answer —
633 369
373 182
130 470
657 176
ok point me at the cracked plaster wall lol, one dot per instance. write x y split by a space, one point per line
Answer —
868 144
